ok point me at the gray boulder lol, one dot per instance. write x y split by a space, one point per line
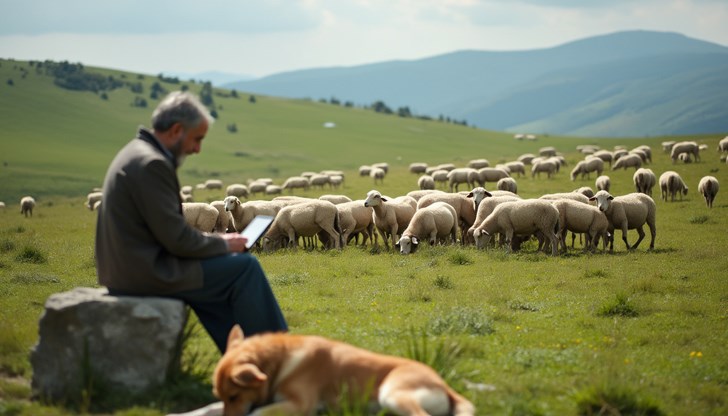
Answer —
88 340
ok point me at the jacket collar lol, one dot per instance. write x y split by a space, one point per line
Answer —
149 137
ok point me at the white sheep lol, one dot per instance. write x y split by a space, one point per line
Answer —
647 150
574 196
200 215
377 174
462 175
446 166
641 153
440 175
336 181
422 192
582 218
516 167
305 219
297 182
585 190
382 165
27 203
605 155
273 190
464 206
587 166
708 187
224 218
418 167
523 217
478 163
354 219
319 180
548 166
685 147
2 205
335 199
425 182
485 208
628 212
237 189
491 175
186 197
213 184
364 170
507 184
723 144
628 161
243 213
685 158
667 146
644 180
391 217
603 183
92 198
256 187
526 158
436 222
547 151
187 189
671 183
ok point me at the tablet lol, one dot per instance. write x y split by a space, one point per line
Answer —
256 228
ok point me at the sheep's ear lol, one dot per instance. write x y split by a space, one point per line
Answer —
476 233
610 198
470 195
384 199
397 243
486 233
593 198
488 193
415 241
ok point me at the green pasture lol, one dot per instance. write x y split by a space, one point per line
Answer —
641 332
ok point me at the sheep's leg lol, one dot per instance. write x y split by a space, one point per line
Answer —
624 235
653 233
641 233
509 238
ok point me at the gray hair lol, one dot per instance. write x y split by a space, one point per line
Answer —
180 107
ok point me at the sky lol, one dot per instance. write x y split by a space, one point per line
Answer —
262 37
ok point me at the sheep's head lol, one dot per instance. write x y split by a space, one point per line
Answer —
478 194
407 244
603 199
374 198
231 202
482 238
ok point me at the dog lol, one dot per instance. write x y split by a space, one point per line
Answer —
285 374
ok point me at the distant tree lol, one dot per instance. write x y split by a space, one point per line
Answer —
252 99
214 114
232 128
380 107
348 104
206 95
104 96
139 102
140 76
153 95
404 112
335 101
10 82
185 87
234 94
136 87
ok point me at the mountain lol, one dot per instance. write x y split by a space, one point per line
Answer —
634 83
216 78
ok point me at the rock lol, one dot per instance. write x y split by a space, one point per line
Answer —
89 339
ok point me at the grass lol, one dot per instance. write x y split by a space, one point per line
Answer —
520 333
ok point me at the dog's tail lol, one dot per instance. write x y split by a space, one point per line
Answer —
460 405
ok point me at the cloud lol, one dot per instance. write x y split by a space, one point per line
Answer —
37 17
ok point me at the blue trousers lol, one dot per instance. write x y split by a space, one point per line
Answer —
235 291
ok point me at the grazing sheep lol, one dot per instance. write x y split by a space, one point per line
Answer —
200 215
548 166
354 219
273 190
587 166
639 152
377 174
237 189
604 155
422 192
92 198
644 180
425 182
2 205
667 146
440 175
335 199
305 219
671 183
516 167
319 180
585 190
256 187
382 165
582 219
628 161
526 158
490 175
446 166
418 167
628 212
242 214
723 144
27 203
507 184
574 196
685 158
365 170
462 175
478 163
224 218
523 217
603 183
336 181
433 223
390 216
187 189
297 182
708 187
685 147
485 208
213 184
186 197
547 151
618 154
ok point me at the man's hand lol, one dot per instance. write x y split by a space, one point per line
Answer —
235 242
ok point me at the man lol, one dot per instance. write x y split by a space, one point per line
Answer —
145 248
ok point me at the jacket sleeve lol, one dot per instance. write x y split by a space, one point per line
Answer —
158 201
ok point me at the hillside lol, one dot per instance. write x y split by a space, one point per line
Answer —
516 91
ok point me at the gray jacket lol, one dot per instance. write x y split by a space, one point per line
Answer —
143 245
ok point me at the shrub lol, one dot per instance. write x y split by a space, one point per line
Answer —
619 306
30 254
700 219
462 320
612 400
443 282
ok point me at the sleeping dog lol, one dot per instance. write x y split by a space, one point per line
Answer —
284 374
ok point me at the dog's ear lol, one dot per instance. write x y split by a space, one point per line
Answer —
248 375
236 336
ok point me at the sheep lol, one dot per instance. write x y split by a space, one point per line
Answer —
305 219
319 180
574 196
628 212
478 194
585 190
644 180
224 218
425 182
213 184
91 199
603 183
647 151
297 182
586 166
639 152
336 181
685 158
708 187
605 155
307 174
462 175
685 147
335 199
478 163
523 217
582 218
446 166
390 216
547 151
628 161
186 197
463 204
485 207
516 167
526 158
200 215
548 166
671 183
273 190
618 154
2 205
667 146
243 213
355 218
382 165
27 203
440 175
422 192
507 184
418 167
434 223
237 189
257 187
364 170
723 144
187 189
378 175
490 175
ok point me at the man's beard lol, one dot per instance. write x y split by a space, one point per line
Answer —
177 152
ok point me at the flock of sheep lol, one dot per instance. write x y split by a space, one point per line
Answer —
447 216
